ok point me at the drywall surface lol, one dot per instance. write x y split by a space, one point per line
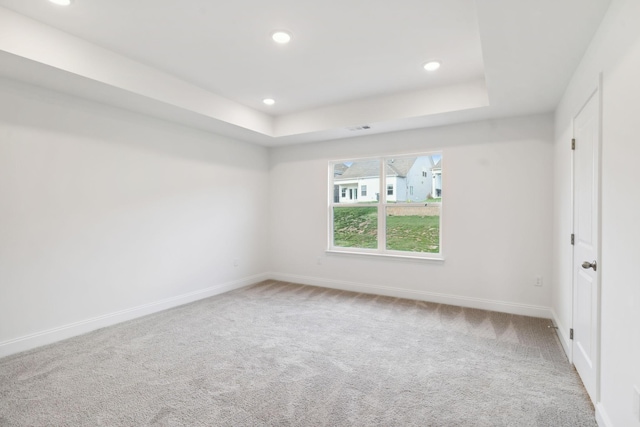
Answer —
497 178
615 55
43 44
103 212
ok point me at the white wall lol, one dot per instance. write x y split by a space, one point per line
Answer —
495 244
614 52
104 213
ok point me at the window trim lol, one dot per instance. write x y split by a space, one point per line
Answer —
381 204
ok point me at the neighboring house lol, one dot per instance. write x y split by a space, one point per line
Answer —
437 179
409 179
338 170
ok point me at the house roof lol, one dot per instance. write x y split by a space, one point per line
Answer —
339 169
363 169
401 166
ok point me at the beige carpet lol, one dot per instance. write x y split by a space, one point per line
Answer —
278 354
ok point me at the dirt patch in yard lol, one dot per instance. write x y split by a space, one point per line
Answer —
413 210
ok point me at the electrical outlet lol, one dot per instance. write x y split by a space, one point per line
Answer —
636 402
236 262
538 280
319 260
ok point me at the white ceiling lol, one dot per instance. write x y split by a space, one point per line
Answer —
208 64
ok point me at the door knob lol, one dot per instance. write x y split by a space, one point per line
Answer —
587 265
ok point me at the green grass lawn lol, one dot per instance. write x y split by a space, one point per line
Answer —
413 233
355 227
358 228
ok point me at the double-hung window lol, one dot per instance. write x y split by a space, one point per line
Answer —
399 208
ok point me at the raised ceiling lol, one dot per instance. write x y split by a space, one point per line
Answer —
209 64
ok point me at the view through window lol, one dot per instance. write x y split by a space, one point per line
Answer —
388 205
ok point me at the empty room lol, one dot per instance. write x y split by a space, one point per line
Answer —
336 213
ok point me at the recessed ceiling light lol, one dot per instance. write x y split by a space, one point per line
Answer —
269 101
280 36
61 2
432 65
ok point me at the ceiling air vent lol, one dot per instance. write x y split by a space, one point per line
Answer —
359 128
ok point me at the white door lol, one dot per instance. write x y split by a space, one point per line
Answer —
586 158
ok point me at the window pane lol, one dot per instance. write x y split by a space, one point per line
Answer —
355 227
413 228
356 182
414 179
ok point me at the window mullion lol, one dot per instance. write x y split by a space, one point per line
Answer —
382 228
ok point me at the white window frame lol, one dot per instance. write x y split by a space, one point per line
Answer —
382 205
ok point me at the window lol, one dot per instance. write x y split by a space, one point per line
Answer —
404 220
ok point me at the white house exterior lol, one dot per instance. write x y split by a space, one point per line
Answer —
437 179
408 179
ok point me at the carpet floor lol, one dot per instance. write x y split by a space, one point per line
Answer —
281 354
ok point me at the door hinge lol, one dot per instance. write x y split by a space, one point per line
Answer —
571 333
573 239
573 143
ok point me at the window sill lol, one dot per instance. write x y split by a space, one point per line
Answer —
428 258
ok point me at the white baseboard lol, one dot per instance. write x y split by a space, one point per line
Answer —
49 336
483 304
601 417
563 335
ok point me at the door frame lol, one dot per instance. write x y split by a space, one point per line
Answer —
597 92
